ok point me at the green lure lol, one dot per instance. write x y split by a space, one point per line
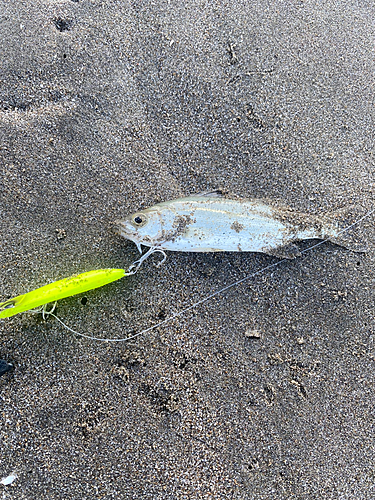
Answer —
59 290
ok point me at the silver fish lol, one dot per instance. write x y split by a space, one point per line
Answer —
211 223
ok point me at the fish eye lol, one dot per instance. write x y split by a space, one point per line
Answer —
139 220
8 305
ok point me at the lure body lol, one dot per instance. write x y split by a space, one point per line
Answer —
215 224
59 290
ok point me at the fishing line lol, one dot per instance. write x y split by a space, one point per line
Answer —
208 297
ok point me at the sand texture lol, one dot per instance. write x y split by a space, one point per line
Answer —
263 392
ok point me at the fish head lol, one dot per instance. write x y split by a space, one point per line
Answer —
142 228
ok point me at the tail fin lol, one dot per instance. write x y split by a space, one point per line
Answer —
347 228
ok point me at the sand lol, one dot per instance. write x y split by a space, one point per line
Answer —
264 392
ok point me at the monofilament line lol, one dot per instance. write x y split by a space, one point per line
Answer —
208 297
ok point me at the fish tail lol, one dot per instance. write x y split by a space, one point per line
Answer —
349 227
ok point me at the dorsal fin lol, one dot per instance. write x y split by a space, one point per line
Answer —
217 193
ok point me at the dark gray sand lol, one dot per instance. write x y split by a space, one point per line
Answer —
264 392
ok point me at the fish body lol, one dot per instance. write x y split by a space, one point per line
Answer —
206 223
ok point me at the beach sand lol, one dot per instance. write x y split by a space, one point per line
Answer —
265 391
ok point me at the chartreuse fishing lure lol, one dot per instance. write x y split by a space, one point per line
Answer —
59 290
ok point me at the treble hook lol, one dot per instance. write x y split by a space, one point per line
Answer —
137 264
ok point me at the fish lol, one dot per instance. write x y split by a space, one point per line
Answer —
210 222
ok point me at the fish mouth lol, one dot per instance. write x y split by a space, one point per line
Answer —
126 230
123 228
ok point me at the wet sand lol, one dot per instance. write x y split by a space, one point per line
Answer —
263 392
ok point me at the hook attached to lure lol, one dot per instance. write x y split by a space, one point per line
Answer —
60 289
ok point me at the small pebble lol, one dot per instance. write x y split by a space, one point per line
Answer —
4 367
8 480
254 334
